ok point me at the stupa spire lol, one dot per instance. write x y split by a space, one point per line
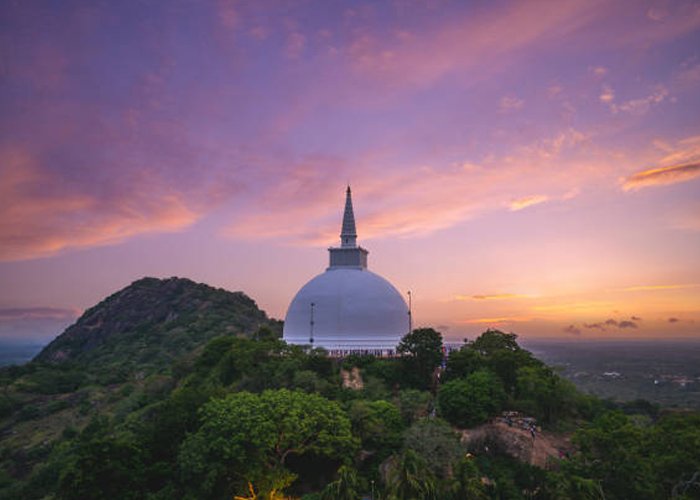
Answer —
348 233
348 254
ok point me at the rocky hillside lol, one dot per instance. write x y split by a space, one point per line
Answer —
498 438
151 323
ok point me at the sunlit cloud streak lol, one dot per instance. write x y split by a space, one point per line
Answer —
527 201
496 321
662 176
680 163
494 296
647 288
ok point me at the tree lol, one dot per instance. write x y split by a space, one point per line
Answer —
471 401
309 381
409 478
248 437
495 340
102 466
545 394
378 424
265 333
413 404
436 443
505 365
464 362
613 453
567 485
466 481
347 487
243 362
388 371
422 354
503 356
674 447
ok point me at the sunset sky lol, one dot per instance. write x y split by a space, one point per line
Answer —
530 166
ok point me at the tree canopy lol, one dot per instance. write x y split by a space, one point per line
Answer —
422 354
247 437
472 400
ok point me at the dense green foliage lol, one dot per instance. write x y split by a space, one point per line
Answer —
348 486
247 437
436 443
248 415
629 460
472 400
102 465
422 354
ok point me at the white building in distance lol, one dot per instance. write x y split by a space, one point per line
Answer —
347 307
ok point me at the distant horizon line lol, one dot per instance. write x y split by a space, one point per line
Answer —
521 340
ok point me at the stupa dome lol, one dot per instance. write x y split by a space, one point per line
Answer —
347 307
353 309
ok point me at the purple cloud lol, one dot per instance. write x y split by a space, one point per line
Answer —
572 329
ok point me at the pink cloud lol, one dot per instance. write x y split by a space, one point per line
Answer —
527 201
662 176
78 173
295 45
550 147
510 103
680 163
493 39
171 194
607 95
420 59
638 106
39 221
228 16
302 207
684 151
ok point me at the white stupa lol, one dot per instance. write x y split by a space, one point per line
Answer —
348 307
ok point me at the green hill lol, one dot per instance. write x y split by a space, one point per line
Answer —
151 324
116 359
